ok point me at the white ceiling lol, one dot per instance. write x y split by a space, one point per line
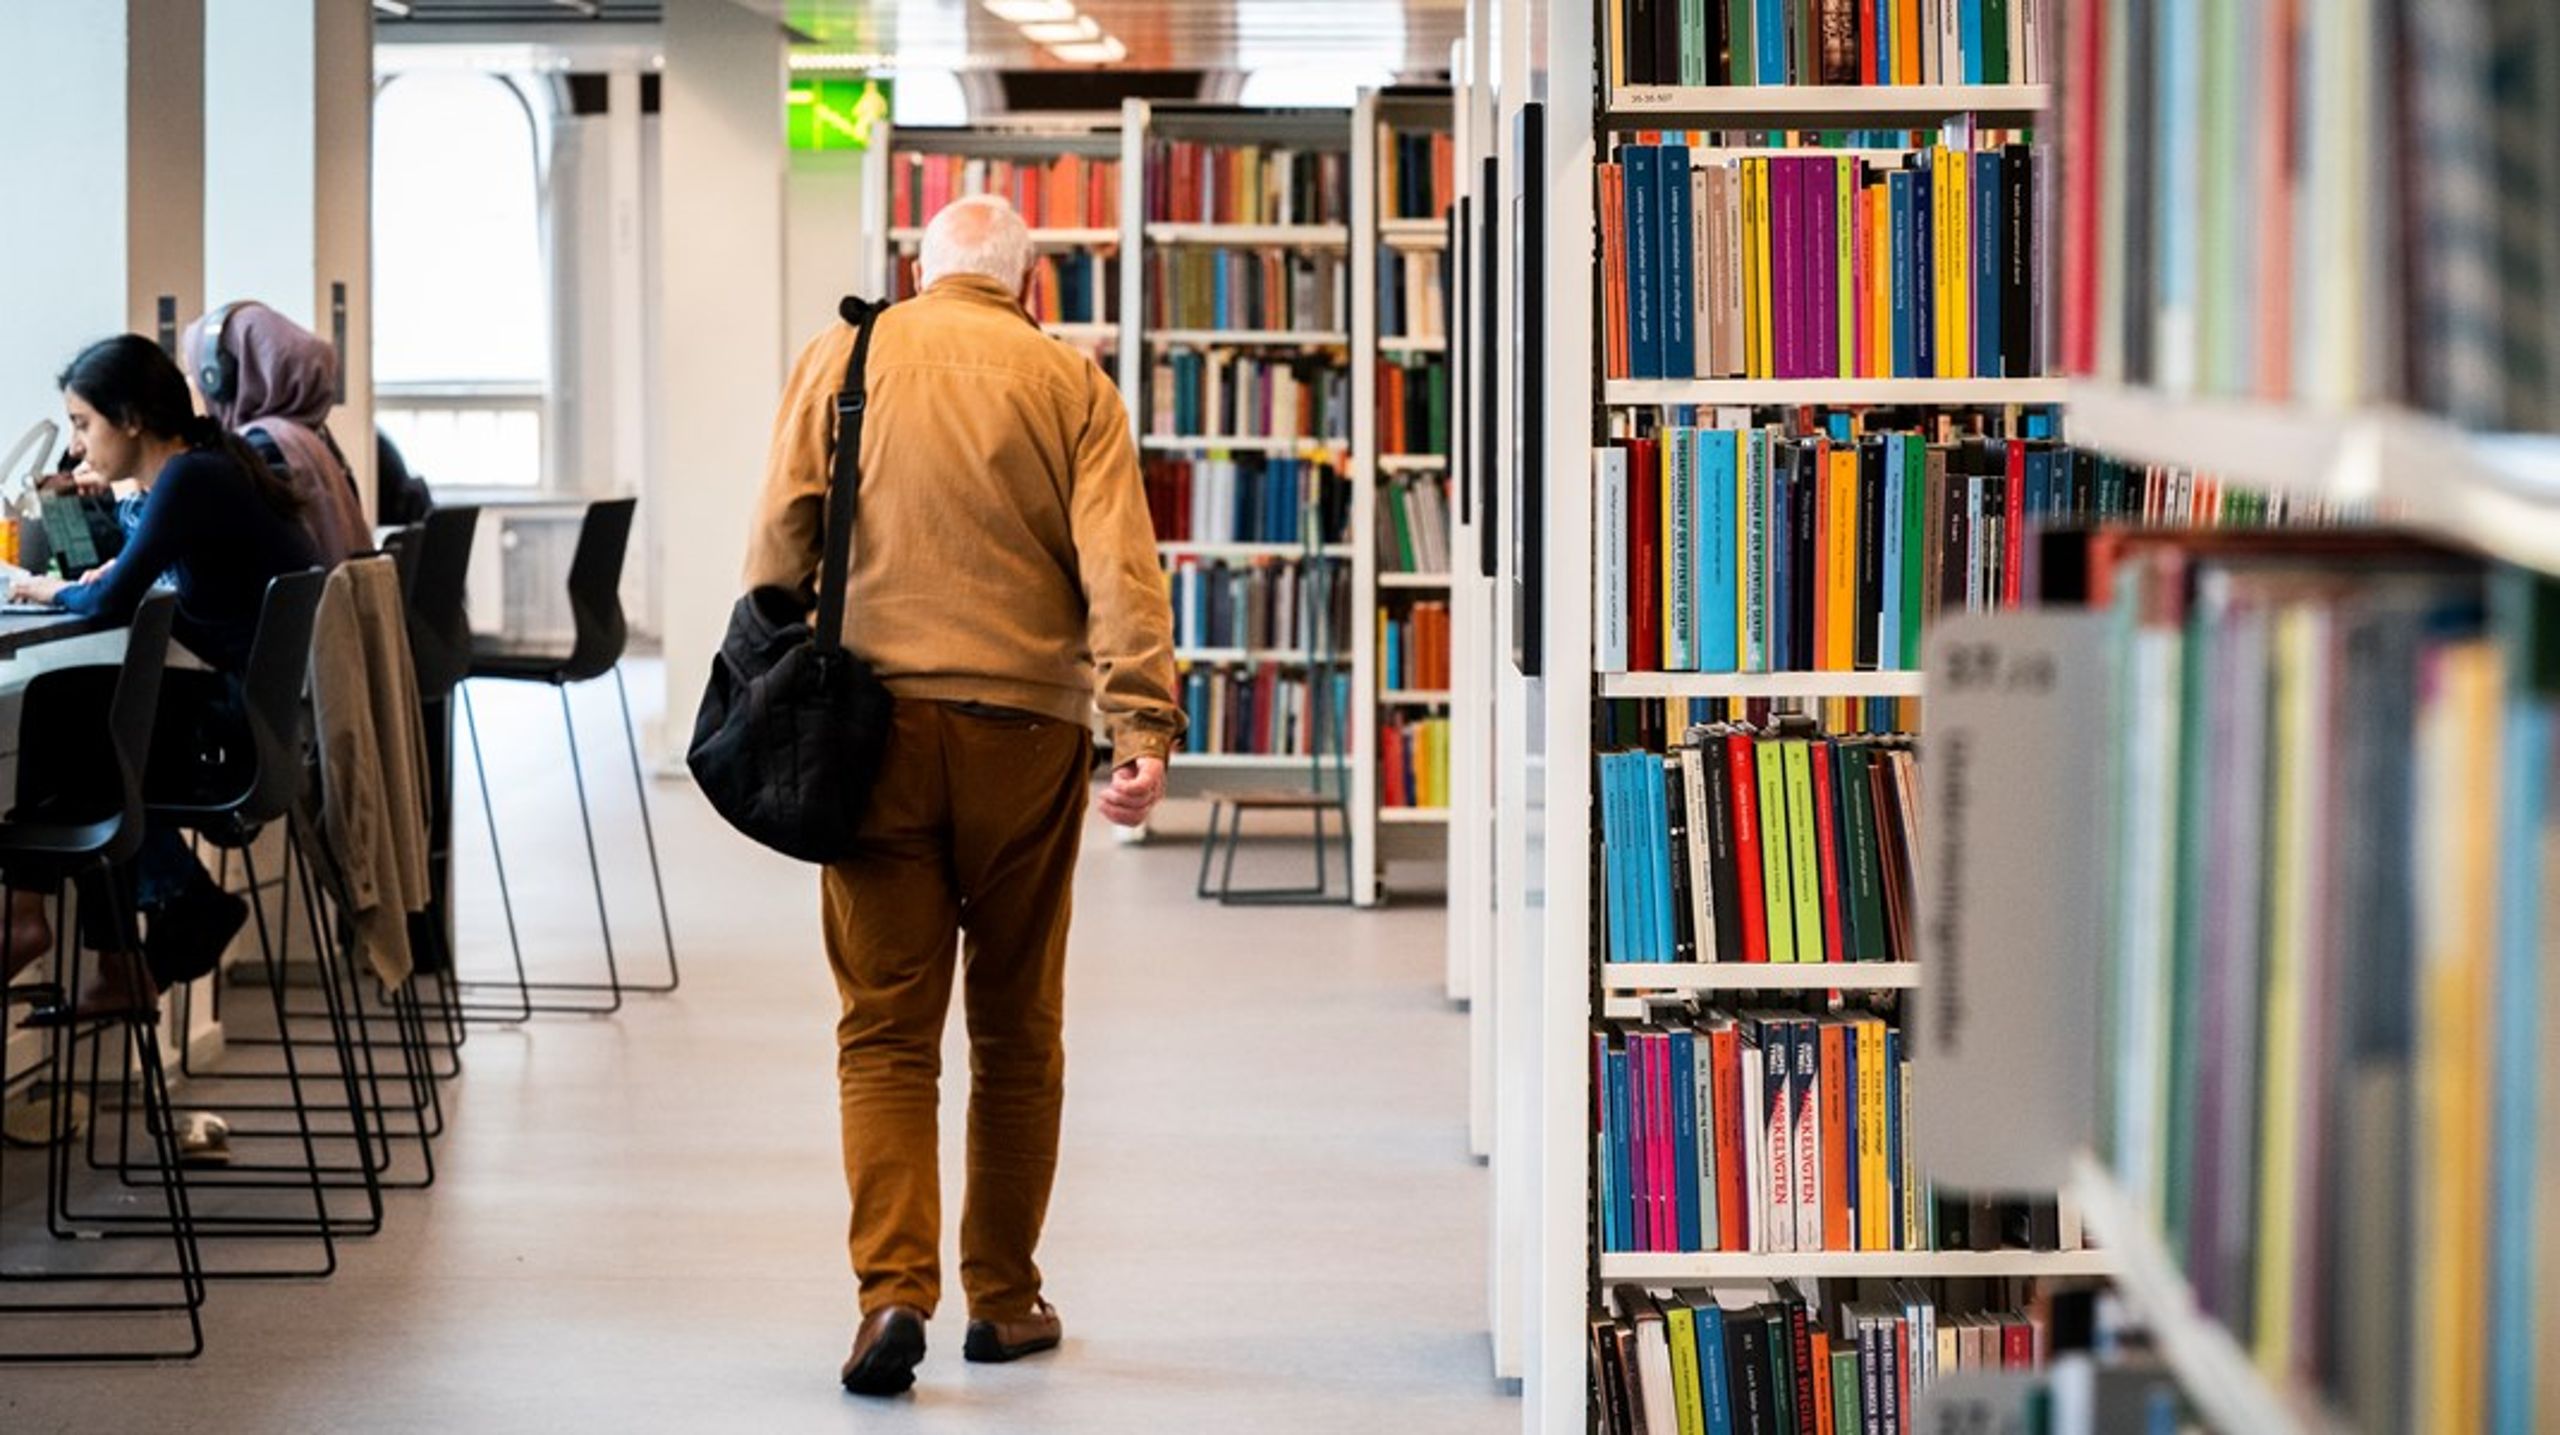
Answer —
1410 36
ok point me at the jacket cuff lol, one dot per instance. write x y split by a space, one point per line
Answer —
1130 744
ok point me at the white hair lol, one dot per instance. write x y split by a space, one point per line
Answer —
977 235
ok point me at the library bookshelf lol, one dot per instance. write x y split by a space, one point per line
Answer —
1146 335
1550 943
1380 238
1024 142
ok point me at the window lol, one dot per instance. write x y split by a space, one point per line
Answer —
461 330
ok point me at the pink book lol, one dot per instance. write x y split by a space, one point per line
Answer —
1786 258
1822 206
1666 1182
1861 265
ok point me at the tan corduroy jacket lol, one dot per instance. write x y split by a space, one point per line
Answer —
1002 550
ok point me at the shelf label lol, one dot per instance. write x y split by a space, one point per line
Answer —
2011 900
1656 98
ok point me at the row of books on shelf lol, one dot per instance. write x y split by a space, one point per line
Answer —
1070 191
2328 204
1417 172
1262 604
1413 294
1750 846
1823 265
1742 550
1764 1359
1268 709
1413 523
1065 288
1413 405
1413 647
1413 763
1238 393
1271 289
1197 182
1826 42
2325 1023
1250 498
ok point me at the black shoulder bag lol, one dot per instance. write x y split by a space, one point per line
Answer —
789 739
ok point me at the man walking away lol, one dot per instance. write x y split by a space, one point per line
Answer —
1004 583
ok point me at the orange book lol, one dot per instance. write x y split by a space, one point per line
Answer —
1838 1124
1724 1043
1906 42
1819 1355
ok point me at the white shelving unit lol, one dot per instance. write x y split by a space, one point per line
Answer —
1302 128
1547 957
1028 140
1378 238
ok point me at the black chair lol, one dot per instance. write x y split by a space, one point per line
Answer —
87 843
595 607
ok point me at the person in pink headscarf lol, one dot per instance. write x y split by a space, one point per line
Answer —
273 382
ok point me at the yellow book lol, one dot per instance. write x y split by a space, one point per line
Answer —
1761 243
1617 45
2291 869
1880 281
1776 856
1960 242
1688 1409
1875 1224
1840 643
1845 215
1804 853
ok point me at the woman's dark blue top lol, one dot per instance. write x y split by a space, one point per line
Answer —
205 522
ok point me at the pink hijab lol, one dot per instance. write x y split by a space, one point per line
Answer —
285 385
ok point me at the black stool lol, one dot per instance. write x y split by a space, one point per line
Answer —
595 606
65 843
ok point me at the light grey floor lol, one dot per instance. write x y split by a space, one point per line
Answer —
1266 1219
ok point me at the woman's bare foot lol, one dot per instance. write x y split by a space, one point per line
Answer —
117 982
27 936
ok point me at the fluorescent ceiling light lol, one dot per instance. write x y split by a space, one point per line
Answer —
1064 32
837 61
396 9
1031 12
1106 51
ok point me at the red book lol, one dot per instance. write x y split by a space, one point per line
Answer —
1724 1046
1837 1120
1826 843
2013 525
2082 245
1644 555
1743 778
1867 73
2017 1345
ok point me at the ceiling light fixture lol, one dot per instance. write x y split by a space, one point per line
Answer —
1106 51
1031 12
396 9
588 8
838 61
1063 32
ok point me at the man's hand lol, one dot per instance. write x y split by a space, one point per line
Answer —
35 588
1136 787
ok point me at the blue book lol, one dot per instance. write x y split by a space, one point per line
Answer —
1769 27
2516 1347
1837 425
1615 854
1924 272
1644 264
1715 1391
1679 266
1880 25
1889 654
1680 548
1969 36
1622 1195
1684 1133
1719 641
1893 1136
1988 272
1657 851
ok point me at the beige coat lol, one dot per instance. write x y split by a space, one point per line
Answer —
374 797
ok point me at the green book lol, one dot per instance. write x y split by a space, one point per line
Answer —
1439 391
1739 37
1775 855
2193 818
1693 41
1860 866
1916 538
1848 1409
1995 42
1782 1365
1804 854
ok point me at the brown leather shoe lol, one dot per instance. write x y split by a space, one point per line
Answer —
993 1342
886 1351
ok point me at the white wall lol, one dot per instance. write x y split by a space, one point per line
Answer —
823 243
721 337
288 179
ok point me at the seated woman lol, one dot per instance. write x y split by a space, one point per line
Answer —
219 524
273 382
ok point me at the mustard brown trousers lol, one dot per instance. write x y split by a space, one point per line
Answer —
970 844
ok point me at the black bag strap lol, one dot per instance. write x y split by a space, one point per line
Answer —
844 474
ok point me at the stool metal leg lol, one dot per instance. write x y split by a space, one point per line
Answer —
506 902
648 834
